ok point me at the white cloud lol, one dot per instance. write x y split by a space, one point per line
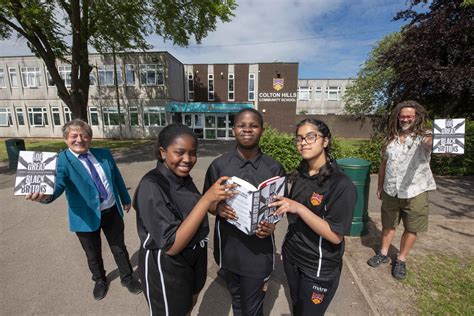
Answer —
329 38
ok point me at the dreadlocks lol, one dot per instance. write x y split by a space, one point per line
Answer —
394 126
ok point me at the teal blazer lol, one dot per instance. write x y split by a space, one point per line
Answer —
81 193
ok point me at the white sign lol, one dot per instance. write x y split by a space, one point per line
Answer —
448 136
36 172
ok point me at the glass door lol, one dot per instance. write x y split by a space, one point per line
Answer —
222 126
210 127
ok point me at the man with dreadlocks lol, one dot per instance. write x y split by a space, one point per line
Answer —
404 181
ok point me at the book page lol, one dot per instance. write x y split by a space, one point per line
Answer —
274 187
242 204
36 172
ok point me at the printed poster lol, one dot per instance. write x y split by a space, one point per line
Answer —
448 136
36 172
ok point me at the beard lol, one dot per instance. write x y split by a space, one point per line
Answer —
406 127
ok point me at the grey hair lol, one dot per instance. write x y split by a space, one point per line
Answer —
75 123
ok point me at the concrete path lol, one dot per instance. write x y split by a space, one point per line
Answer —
44 270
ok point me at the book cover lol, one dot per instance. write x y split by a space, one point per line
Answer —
36 172
251 203
448 136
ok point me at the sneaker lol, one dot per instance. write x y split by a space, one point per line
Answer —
376 260
399 270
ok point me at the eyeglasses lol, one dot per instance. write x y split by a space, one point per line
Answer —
406 117
310 138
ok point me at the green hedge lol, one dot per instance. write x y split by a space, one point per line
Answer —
280 147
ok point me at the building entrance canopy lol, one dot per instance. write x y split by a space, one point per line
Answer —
202 107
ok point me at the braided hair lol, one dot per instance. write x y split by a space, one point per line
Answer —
169 134
327 169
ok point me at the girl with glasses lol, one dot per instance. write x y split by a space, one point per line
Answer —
320 208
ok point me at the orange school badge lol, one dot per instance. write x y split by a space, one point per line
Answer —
317 298
316 199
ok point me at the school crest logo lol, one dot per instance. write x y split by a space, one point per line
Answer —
278 83
317 298
316 199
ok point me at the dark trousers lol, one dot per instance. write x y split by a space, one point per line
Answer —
112 225
310 296
247 294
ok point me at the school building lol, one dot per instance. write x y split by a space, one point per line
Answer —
154 89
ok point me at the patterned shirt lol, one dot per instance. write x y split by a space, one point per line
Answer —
408 172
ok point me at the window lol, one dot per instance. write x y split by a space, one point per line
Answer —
231 88
190 87
2 78
251 87
154 116
37 116
111 116
304 93
55 115
5 117
93 116
333 93
13 77
318 93
20 118
133 116
49 79
31 77
130 75
65 73
67 114
106 75
210 87
151 75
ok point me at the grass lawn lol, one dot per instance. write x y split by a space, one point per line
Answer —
55 145
444 285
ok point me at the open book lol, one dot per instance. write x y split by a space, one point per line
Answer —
251 203
36 172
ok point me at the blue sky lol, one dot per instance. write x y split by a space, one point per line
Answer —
328 38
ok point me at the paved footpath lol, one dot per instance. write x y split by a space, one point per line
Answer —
44 271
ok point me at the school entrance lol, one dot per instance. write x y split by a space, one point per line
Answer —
207 120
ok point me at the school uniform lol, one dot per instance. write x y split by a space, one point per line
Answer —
313 264
245 261
162 201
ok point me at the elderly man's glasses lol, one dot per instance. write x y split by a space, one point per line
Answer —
310 138
406 117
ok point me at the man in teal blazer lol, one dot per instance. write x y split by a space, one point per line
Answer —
95 192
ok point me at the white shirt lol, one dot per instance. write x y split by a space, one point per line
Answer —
408 172
110 200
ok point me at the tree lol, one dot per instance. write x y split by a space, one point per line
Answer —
56 29
433 61
429 60
368 93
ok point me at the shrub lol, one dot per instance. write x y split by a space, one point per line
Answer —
280 147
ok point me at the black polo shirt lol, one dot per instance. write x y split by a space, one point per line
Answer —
160 213
235 251
334 201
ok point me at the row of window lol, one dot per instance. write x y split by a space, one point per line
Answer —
230 87
38 116
331 93
149 75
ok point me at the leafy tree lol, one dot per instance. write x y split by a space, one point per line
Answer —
433 61
56 29
429 60
368 93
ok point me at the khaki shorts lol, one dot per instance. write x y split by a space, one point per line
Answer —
413 212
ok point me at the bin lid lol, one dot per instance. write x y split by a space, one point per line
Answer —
353 162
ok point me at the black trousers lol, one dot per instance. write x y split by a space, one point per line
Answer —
310 296
247 294
112 225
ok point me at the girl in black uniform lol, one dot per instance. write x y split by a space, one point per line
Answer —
246 262
172 225
320 207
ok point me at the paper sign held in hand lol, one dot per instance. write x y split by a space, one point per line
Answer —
36 172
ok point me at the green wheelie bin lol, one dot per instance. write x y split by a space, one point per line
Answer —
358 170
14 145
